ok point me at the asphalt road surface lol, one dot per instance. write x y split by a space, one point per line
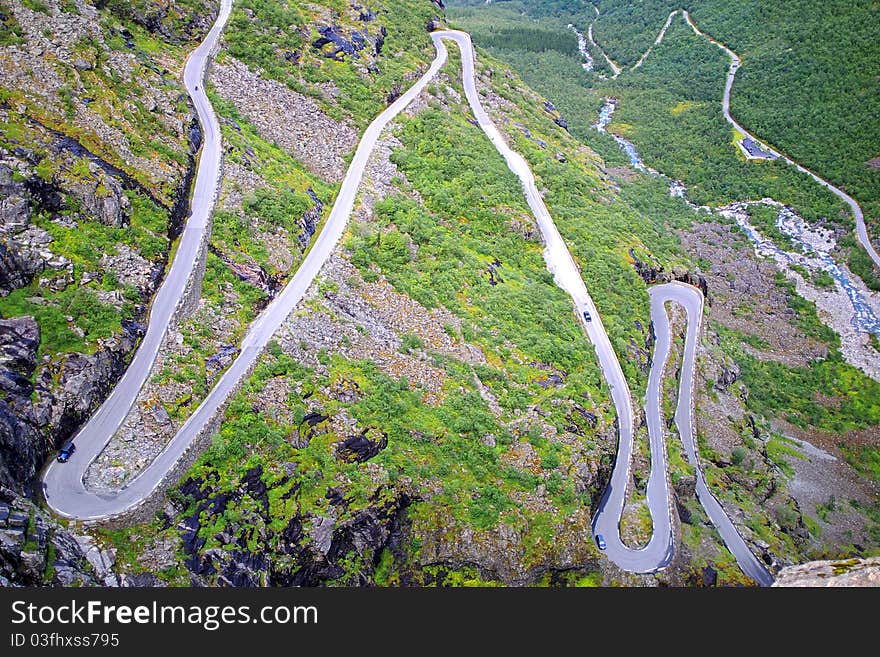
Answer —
691 299
63 485
560 263
660 549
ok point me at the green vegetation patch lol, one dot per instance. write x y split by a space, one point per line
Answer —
276 44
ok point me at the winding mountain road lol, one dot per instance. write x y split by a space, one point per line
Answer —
657 41
616 70
606 520
63 485
691 299
659 551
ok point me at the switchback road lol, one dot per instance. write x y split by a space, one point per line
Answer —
63 485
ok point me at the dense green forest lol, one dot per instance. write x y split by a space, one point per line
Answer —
669 108
808 83
794 89
543 54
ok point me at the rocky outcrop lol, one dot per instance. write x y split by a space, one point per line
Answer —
19 340
656 273
340 45
501 553
45 402
551 111
843 572
69 389
14 203
310 220
249 272
306 552
36 551
96 194
66 164
24 249
20 261
102 197
380 41
39 411
131 268
69 68
360 448
23 448
174 21
361 44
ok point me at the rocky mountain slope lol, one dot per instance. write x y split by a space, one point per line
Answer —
431 413
37 551
96 157
97 144
786 446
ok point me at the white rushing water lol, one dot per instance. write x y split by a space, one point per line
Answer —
605 116
587 65
815 246
676 187
848 307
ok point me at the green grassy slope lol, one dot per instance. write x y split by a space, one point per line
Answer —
487 468
501 449
364 82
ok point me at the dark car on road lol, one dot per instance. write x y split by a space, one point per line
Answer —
587 316
66 451
600 541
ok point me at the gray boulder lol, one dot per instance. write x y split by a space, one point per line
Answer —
102 197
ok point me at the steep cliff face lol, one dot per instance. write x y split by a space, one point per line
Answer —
37 551
177 21
97 144
23 446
